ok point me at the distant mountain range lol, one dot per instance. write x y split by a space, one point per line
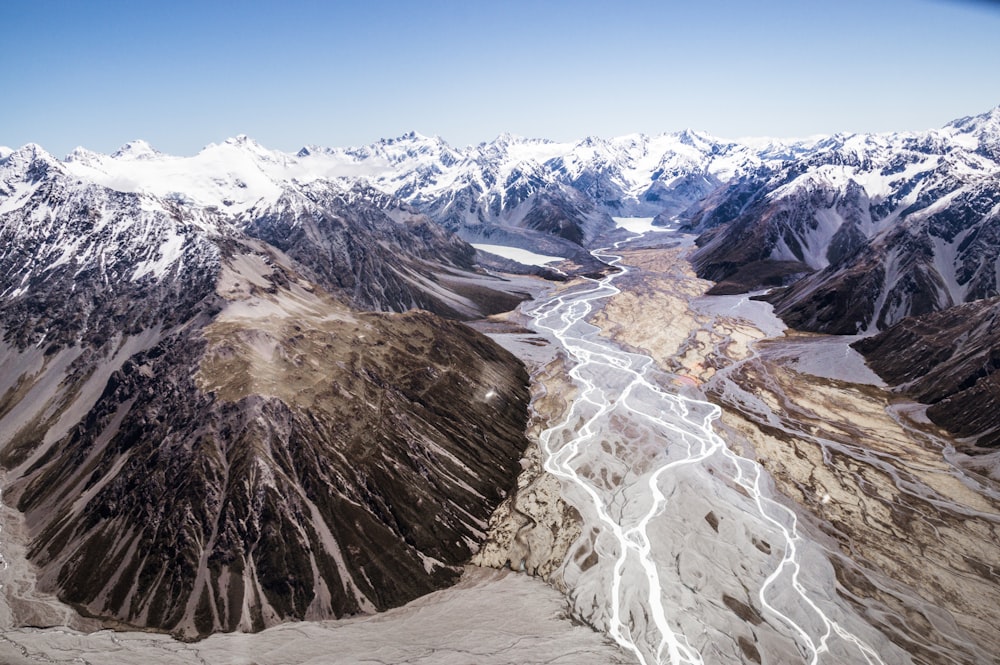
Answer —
235 378
553 197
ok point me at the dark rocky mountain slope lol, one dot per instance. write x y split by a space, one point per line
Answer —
378 251
949 360
206 433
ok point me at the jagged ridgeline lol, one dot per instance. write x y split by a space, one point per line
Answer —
216 421
866 230
898 233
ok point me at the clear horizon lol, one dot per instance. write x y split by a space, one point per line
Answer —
187 74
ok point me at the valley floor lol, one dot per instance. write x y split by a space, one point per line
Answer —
908 526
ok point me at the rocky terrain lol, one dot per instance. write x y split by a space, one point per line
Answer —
949 360
206 432
534 527
489 617
909 531
864 565
865 229
881 498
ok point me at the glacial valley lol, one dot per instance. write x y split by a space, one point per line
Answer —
772 503
261 407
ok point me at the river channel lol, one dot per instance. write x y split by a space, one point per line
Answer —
691 555
752 494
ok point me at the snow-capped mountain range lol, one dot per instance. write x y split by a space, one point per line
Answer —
882 226
502 190
822 198
897 233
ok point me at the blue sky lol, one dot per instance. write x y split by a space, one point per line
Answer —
183 74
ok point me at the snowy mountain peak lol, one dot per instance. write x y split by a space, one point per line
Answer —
991 117
241 152
409 137
405 151
81 155
235 144
507 138
4 151
242 140
29 162
510 150
137 149
30 152
696 139
591 142
982 131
